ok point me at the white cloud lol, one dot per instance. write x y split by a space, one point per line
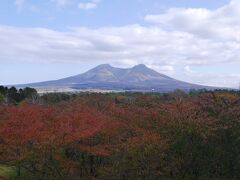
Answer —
20 4
188 69
167 69
219 24
214 79
59 3
82 5
150 45
88 5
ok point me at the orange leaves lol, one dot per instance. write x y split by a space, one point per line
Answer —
23 124
49 125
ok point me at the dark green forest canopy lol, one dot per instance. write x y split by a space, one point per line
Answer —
14 95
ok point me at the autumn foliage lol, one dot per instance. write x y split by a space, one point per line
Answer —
124 136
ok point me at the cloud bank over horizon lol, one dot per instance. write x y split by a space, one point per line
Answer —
176 42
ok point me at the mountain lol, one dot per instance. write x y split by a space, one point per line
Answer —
106 77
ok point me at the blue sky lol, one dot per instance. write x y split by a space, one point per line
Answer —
192 40
48 14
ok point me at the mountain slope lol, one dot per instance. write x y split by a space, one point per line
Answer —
106 77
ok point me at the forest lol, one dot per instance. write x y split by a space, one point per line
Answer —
120 136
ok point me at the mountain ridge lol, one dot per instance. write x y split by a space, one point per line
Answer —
107 77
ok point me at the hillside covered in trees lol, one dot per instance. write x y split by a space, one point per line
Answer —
121 136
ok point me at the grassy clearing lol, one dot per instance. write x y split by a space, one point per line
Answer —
7 172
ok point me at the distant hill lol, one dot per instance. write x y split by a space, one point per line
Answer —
106 77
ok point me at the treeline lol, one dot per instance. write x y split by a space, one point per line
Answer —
13 95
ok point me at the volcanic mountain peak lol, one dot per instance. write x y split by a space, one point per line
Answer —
138 73
101 66
139 78
140 66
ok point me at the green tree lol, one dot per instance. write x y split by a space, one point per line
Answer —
28 92
13 95
3 90
1 98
